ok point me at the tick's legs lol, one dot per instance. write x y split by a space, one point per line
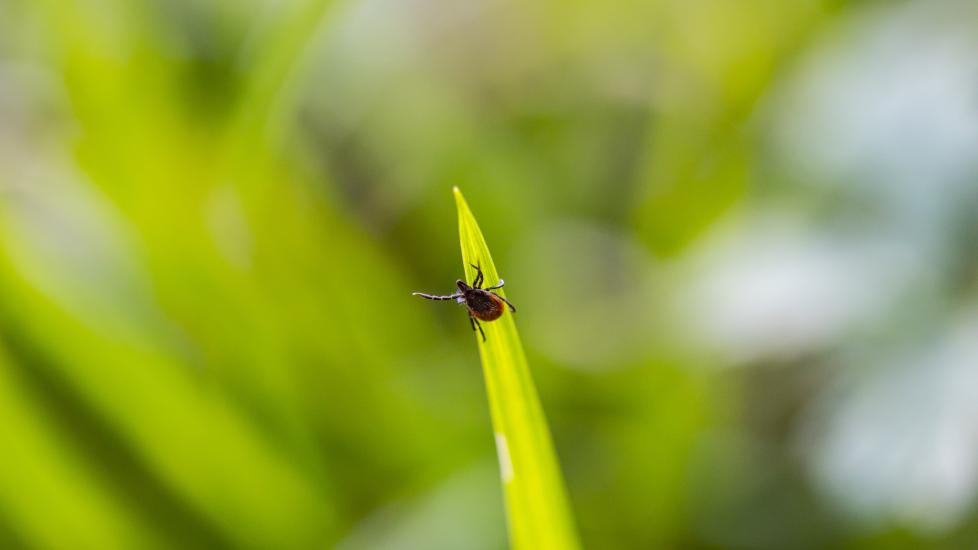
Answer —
433 297
477 282
510 304
475 324
500 285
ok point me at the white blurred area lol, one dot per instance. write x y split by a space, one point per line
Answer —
897 438
765 287
880 125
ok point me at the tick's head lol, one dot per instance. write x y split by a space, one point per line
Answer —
462 286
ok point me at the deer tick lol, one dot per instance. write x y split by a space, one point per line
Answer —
483 304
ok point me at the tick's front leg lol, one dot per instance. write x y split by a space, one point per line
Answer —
477 282
501 284
433 297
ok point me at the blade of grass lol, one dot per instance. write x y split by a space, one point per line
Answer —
273 65
537 507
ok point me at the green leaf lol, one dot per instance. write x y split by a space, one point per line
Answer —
536 501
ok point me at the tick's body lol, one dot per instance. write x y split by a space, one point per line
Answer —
483 304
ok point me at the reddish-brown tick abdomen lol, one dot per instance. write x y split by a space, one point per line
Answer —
485 306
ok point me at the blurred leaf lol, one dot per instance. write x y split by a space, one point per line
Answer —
271 67
539 514
43 483
188 435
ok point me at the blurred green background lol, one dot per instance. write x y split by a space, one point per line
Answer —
742 236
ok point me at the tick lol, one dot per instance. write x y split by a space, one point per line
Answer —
483 304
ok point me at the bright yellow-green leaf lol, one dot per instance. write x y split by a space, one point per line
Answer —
536 502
